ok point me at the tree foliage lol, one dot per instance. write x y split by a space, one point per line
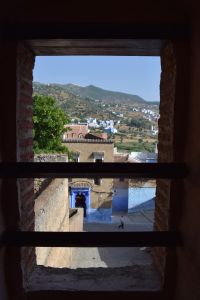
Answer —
140 123
138 147
49 121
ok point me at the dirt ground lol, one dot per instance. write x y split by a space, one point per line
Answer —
115 257
104 269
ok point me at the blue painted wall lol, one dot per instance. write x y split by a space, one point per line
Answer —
99 215
138 196
120 200
86 193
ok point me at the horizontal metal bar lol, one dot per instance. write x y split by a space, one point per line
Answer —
91 239
93 30
93 170
91 295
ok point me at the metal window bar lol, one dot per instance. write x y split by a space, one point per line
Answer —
90 239
91 170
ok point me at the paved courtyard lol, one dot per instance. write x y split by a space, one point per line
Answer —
105 269
109 257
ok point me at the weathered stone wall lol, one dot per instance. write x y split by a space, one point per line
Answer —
24 112
52 214
173 129
62 257
188 256
165 147
50 158
41 183
76 221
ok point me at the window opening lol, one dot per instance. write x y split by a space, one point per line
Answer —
123 129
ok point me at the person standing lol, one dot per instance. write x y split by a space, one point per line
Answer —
83 203
121 225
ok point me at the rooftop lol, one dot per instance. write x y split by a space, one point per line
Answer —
88 141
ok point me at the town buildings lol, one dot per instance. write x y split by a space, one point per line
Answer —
94 148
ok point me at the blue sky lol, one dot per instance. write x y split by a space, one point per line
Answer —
130 74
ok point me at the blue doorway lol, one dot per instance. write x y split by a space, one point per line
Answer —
74 192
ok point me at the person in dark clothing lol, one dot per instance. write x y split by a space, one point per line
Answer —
81 202
121 225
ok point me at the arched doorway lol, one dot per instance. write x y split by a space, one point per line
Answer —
80 201
80 197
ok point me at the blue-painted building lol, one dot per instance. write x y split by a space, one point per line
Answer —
74 191
120 195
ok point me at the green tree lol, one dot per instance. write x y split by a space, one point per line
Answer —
49 120
140 123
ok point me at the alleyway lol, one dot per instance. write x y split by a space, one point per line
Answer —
116 257
105 269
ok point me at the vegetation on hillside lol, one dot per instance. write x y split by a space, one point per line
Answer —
139 123
94 92
69 102
136 127
136 146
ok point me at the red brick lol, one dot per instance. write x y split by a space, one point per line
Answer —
27 112
26 88
27 219
27 196
24 99
25 124
26 142
26 182
26 157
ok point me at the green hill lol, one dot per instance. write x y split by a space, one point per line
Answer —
70 103
94 92
90 101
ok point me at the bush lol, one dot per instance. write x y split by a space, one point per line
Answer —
48 125
137 147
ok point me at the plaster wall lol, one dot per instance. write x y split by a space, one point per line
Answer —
52 214
76 221
101 195
86 149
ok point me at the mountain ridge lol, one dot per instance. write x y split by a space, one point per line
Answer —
97 93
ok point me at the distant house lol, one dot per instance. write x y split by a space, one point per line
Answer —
110 129
129 193
75 131
143 157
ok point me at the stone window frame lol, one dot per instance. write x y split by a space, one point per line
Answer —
168 189
156 255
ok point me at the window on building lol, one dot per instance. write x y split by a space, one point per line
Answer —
97 181
76 157
99 160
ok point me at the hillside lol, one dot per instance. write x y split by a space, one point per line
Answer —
68 101
91 92
94 92
91 101
132 116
